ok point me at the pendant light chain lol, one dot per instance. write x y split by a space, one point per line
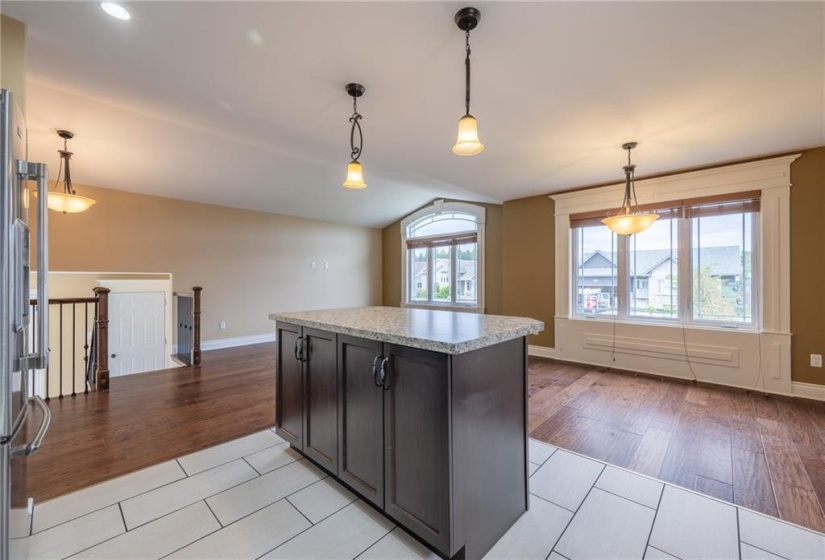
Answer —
467 69
355 120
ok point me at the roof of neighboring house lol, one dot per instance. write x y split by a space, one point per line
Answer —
466 268
723 261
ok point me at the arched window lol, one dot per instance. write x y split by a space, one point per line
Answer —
443 256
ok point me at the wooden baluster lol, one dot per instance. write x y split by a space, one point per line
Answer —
196 323
102 338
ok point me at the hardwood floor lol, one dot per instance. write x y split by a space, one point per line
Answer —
149 418
766 454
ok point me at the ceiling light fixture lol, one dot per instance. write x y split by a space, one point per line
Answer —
68 201
355 173
116 11
630 220
467 143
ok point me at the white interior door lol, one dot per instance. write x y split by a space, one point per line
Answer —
137 333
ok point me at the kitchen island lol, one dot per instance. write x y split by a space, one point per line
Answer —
423 413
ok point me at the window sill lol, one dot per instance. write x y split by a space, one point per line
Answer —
444 307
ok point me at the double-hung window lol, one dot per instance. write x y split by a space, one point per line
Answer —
695 264
443 255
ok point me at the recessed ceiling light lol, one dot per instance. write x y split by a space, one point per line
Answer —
116 10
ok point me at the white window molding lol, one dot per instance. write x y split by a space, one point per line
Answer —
765 351
438 207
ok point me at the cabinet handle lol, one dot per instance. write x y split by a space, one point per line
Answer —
299 348
375 370
385 374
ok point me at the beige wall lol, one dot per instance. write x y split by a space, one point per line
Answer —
528 263
529 255
13 58
248 263
391 251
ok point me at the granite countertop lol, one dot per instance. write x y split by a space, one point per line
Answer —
449 332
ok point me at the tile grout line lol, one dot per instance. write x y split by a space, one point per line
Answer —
212 512
655 515
205 497
625 498
225 462
763 550
738 535
276 501
122 517
567 526
391 531
125 531
311 524
253 467
297 534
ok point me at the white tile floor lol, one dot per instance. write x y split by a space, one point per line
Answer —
255 498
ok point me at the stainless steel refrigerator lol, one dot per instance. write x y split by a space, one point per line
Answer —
23 330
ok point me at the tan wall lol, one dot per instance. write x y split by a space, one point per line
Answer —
808 264
13 58
529 283
391 236
528 264
248 263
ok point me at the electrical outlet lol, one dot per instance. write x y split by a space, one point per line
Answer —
816 360
222 326
326 265
312 264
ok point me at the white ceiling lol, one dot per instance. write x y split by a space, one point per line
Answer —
183 101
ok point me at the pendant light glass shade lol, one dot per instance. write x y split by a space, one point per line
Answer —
355 176
628 224
630 221
67 201
468 143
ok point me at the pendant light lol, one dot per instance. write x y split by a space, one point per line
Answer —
355 173
630 220
67 201
467 143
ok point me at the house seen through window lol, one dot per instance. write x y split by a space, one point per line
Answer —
441 246
641 276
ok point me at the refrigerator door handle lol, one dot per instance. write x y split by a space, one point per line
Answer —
40 173
31 448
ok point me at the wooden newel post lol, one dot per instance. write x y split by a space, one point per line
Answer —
102 338
196 325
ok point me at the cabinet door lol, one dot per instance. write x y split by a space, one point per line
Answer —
361 419
416 439
289 387
321 386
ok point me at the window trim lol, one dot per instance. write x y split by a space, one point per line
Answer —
769 176
440 207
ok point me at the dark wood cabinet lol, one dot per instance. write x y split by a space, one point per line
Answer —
361 418
289 386
436 441
321 390
416 442
306 392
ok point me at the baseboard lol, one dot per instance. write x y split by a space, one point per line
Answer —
207 345
808 390
541 351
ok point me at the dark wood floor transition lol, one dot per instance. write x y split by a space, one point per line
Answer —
767 454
